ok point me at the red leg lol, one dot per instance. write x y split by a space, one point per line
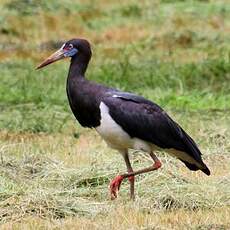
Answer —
131 181
131 178
116 183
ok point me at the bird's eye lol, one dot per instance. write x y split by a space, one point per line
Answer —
68 47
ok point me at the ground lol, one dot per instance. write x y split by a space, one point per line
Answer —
55 174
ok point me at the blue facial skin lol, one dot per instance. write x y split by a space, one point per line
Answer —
71 53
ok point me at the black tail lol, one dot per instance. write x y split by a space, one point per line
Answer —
187 144
193 167
194 151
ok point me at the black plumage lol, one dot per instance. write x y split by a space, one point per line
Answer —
134 115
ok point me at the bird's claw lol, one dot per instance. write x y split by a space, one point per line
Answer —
115 186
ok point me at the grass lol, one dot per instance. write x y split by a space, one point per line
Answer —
60 178
55 174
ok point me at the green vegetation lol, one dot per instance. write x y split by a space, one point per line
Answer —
53 173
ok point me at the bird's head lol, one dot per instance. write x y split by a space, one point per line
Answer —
73 48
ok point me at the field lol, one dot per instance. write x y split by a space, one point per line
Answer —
55 174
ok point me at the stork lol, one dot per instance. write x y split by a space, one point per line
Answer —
124 120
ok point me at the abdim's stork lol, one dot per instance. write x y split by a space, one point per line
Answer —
124 120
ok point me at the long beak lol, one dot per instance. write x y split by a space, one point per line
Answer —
58 55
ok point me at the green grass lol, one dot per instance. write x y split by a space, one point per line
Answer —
55 174
39 98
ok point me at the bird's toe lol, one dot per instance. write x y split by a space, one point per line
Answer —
115 186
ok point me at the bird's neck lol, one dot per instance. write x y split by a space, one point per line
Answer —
78 67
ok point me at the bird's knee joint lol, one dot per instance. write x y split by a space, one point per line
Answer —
157 164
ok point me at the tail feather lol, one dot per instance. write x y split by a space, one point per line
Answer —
192 147
206 171
188 146
193 150
194 167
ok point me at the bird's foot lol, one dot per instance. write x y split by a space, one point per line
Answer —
115 186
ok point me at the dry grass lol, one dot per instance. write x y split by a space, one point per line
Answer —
128 217
58 181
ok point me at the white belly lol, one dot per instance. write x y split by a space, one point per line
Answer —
115 136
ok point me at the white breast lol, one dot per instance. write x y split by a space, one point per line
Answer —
115 136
